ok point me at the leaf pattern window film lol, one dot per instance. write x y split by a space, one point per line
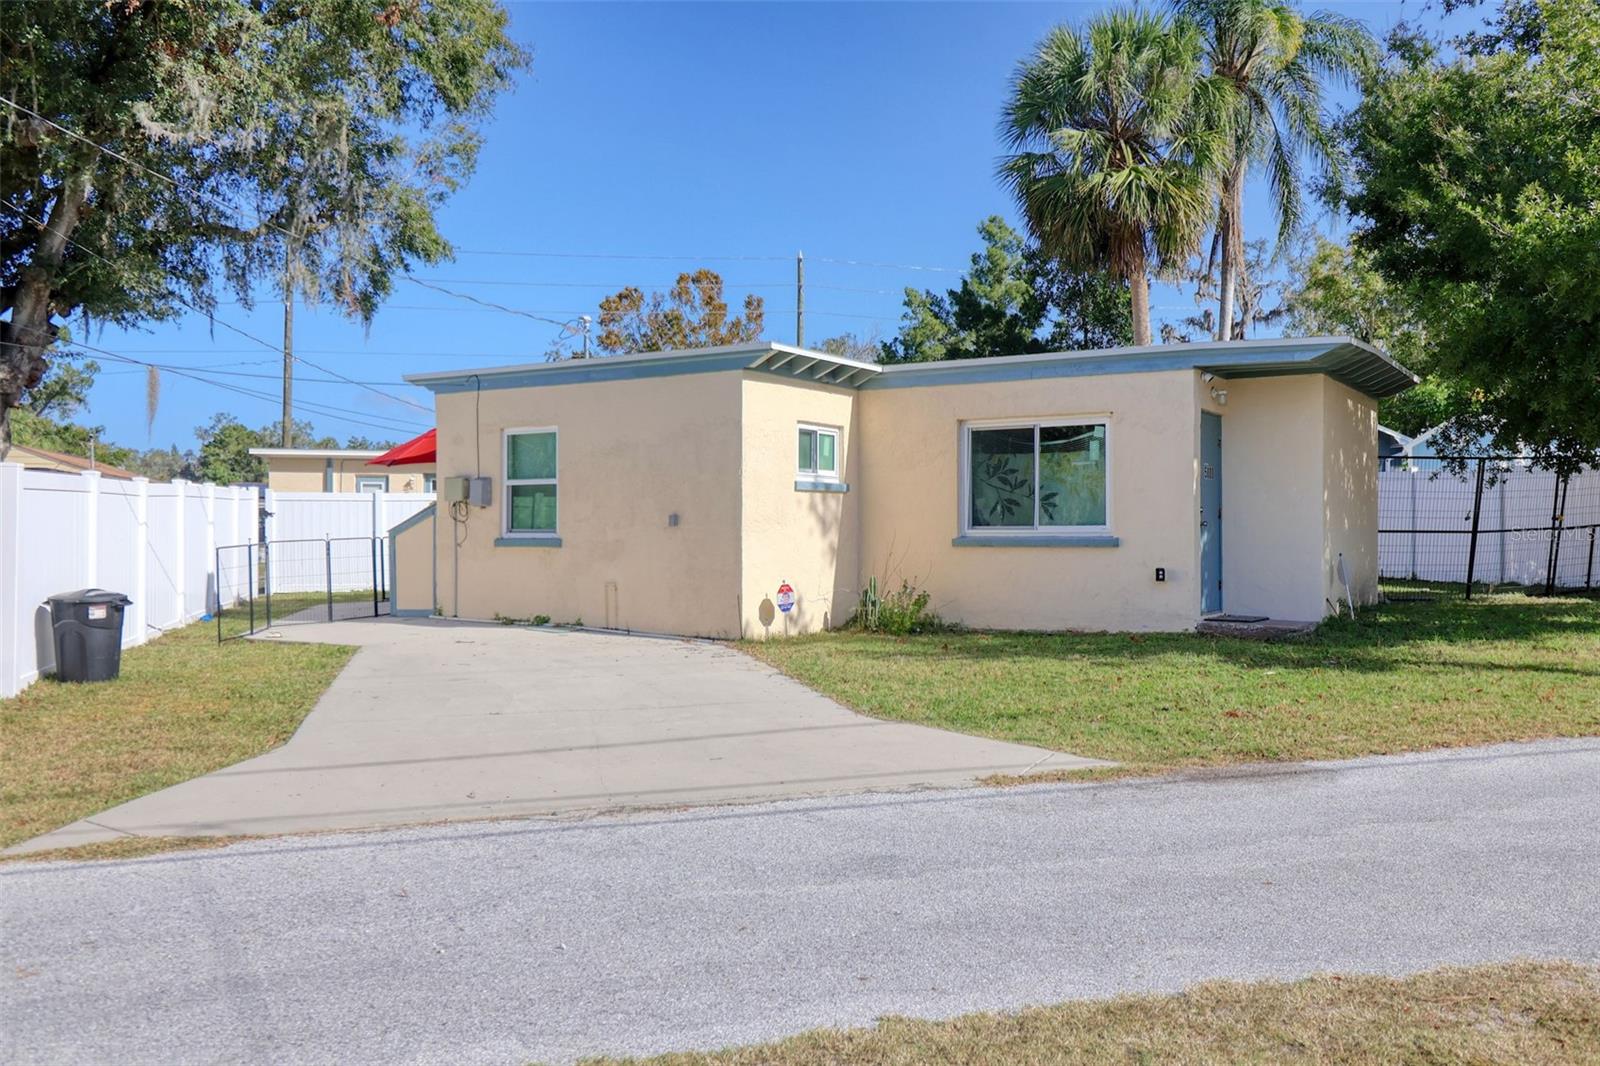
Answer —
1002 477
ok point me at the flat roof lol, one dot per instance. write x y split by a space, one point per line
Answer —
1345 359
1355 363
782 359
315 453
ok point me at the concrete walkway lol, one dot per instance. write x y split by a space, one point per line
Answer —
513 942
440 721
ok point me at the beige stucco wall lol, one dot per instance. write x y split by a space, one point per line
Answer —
718 450
809 539
1300 485
1272 496
630 453
1350 491
909 485
412 554
305 474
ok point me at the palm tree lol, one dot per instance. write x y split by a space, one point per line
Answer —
1116 137
1275 59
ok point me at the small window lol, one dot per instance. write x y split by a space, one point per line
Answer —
1037 478
530 496
372 483
430 482
819 453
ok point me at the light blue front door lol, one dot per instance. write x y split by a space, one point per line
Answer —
1210 513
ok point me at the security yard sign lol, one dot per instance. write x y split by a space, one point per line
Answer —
785 597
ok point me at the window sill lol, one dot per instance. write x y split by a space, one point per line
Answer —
527 542
813 485
1065 540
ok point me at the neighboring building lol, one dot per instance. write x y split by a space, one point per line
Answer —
339 470
700 492
41 459
1392 446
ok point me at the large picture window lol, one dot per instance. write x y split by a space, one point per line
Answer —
1041 477
530 483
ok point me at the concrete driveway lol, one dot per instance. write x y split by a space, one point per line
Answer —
443 721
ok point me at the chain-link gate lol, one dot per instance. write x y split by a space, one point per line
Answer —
1449 529
284 582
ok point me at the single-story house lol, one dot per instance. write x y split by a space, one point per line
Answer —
339 470
753 490
44 459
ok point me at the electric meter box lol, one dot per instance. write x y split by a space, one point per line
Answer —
480 492
454 490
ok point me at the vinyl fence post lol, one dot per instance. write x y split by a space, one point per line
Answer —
180 552
327 557
140 613
91 528
11 625
1477 509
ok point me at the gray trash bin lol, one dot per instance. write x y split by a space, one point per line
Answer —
88 632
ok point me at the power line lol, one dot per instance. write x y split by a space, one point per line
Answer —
337 414
604 284
641 258
225 325
489 304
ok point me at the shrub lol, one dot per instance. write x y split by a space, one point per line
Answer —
900 612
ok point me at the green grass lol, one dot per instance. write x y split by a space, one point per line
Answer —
1403 677
184 706
300 606
1527 1014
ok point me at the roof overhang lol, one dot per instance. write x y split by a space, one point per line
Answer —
1352 362
782 360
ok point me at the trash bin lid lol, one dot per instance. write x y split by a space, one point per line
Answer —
91 596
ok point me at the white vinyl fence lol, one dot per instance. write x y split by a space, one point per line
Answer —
154 541
1425 519
342 534
157 543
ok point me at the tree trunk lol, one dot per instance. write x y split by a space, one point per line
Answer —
29 334
1139 285
1232 249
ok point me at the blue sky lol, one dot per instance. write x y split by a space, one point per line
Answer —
853 132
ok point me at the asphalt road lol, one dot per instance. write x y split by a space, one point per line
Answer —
503 942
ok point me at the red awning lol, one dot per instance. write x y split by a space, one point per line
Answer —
414 452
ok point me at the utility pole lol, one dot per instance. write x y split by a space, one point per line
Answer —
585 319
799 299
286 436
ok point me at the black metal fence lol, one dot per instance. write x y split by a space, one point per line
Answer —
284 582
1492 523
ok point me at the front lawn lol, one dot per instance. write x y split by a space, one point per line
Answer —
1531 1014
184 706
1403 677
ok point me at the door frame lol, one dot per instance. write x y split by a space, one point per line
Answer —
1216 520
